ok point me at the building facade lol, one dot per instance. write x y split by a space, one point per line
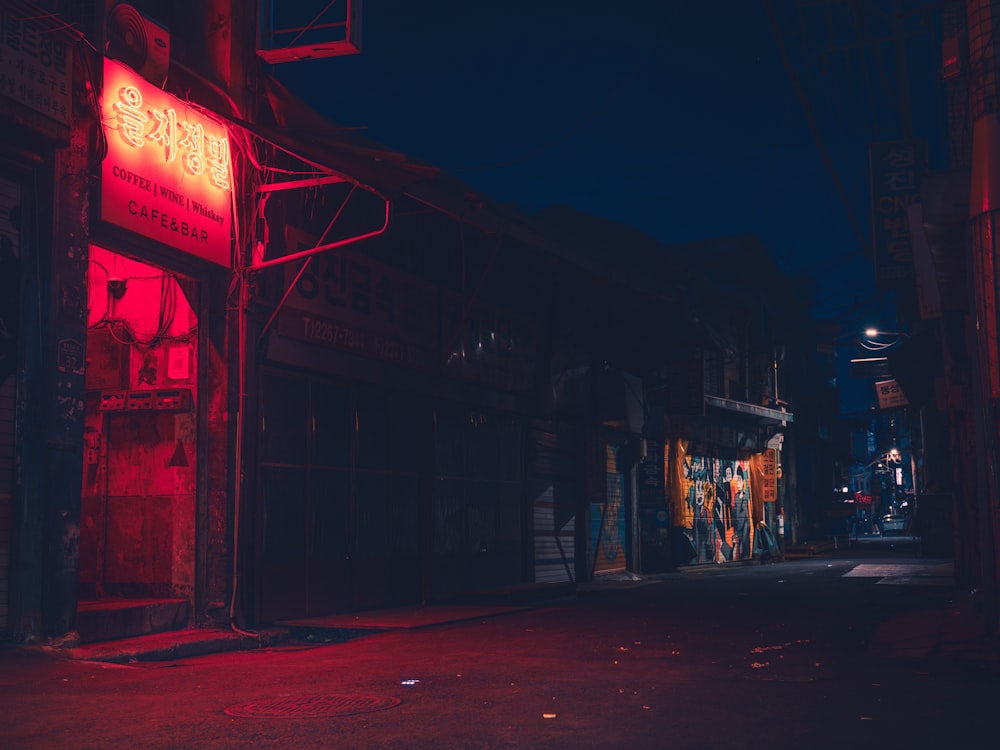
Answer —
119 235
257 369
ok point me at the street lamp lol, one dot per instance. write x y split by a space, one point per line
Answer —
873 342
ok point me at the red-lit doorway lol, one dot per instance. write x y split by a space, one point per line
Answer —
139 495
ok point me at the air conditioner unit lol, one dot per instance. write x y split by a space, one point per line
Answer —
138 41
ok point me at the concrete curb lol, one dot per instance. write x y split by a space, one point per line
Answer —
169 645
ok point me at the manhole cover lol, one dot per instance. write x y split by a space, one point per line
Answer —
314 705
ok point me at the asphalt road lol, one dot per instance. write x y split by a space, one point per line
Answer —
791 655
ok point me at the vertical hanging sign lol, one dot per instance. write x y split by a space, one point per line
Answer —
895 172
167 174
769 475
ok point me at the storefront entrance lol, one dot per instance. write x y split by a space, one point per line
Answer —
137 527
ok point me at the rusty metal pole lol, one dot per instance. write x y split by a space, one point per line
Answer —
983 17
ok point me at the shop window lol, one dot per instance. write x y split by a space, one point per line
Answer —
283 491
330 492
449 443
477 492
373 430
510 457
449 516
332 426
405 514
405 438
374 492
482 516
284 420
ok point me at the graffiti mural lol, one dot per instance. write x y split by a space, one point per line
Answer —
713 509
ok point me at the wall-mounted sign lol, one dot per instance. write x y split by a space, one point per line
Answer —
769 472
35 68
890 395
895 170
347 301
167 174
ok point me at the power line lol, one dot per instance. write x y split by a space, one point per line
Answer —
813 128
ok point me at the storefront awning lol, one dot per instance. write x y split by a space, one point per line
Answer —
300 129
764 413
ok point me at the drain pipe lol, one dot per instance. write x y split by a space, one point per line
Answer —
239 451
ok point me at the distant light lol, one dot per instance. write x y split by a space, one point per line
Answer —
871 332
409 682
845 489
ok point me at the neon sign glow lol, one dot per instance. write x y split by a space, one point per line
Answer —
167 174
132 122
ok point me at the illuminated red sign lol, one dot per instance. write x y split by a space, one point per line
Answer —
167 174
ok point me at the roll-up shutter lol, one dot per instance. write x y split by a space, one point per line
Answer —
555 461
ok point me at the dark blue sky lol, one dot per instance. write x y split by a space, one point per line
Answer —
676 117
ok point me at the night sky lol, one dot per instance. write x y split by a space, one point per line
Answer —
679 118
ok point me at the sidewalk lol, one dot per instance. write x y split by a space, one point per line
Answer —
182 644
954 631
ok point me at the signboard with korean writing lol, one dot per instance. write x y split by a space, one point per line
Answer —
870 367
769 475
890 395
345 300
35 67
167 174
895 172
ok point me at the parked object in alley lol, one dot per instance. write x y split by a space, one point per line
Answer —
765 546
893 523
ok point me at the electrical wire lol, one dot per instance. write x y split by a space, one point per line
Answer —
107 304
861 30
56 24
887 89
813 127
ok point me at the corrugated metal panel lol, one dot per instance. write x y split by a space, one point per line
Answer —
608 519
555 559
556 463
